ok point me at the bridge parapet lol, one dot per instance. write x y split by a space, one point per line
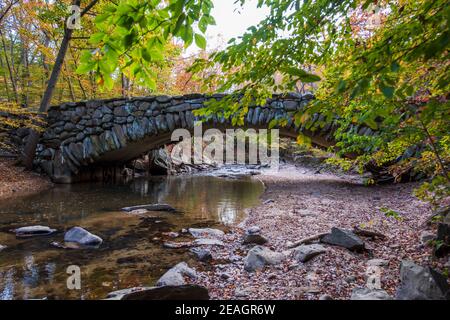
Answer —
84 134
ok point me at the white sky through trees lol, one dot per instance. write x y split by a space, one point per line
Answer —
231 22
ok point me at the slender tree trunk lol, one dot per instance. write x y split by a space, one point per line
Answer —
436 151
5 80
8 7
44 63
25 76
125 86
69 83
77 75
10 71
33 139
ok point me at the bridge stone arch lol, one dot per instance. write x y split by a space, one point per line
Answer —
82 136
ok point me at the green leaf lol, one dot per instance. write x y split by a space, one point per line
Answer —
96 38
388 92
85 68
395 66
146 55
341 86
302 75
200 41
179 23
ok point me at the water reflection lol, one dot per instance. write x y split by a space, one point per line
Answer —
31 268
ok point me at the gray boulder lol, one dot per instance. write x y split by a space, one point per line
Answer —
253 230
201 254
377 263
254 239
369 294
33 231
343 238
426 237
206 233
307 252
260 256
82 236
184 292
175 276
421 283
2 247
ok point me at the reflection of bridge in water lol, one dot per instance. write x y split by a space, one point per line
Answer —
84 139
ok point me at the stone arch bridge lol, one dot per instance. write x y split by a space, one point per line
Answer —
82 137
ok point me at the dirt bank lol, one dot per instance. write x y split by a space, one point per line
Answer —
15 181
305 204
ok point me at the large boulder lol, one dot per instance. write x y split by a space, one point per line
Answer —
175 276
421 283
184 292
343 238
33 231
206 233
369 294
307 252
260 256
82 237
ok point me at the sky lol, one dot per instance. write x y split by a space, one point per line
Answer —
231 22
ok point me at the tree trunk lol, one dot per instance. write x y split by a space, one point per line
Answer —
77 75
33 139
25 76
5 80
10 71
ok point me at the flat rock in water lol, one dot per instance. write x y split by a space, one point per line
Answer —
421 283
138 212
343 238
2 247
33 231
208 242
254 239
82 236
66 245
369 294
177 245
260 256
151 207
175 276
184 292
305 253
206 233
